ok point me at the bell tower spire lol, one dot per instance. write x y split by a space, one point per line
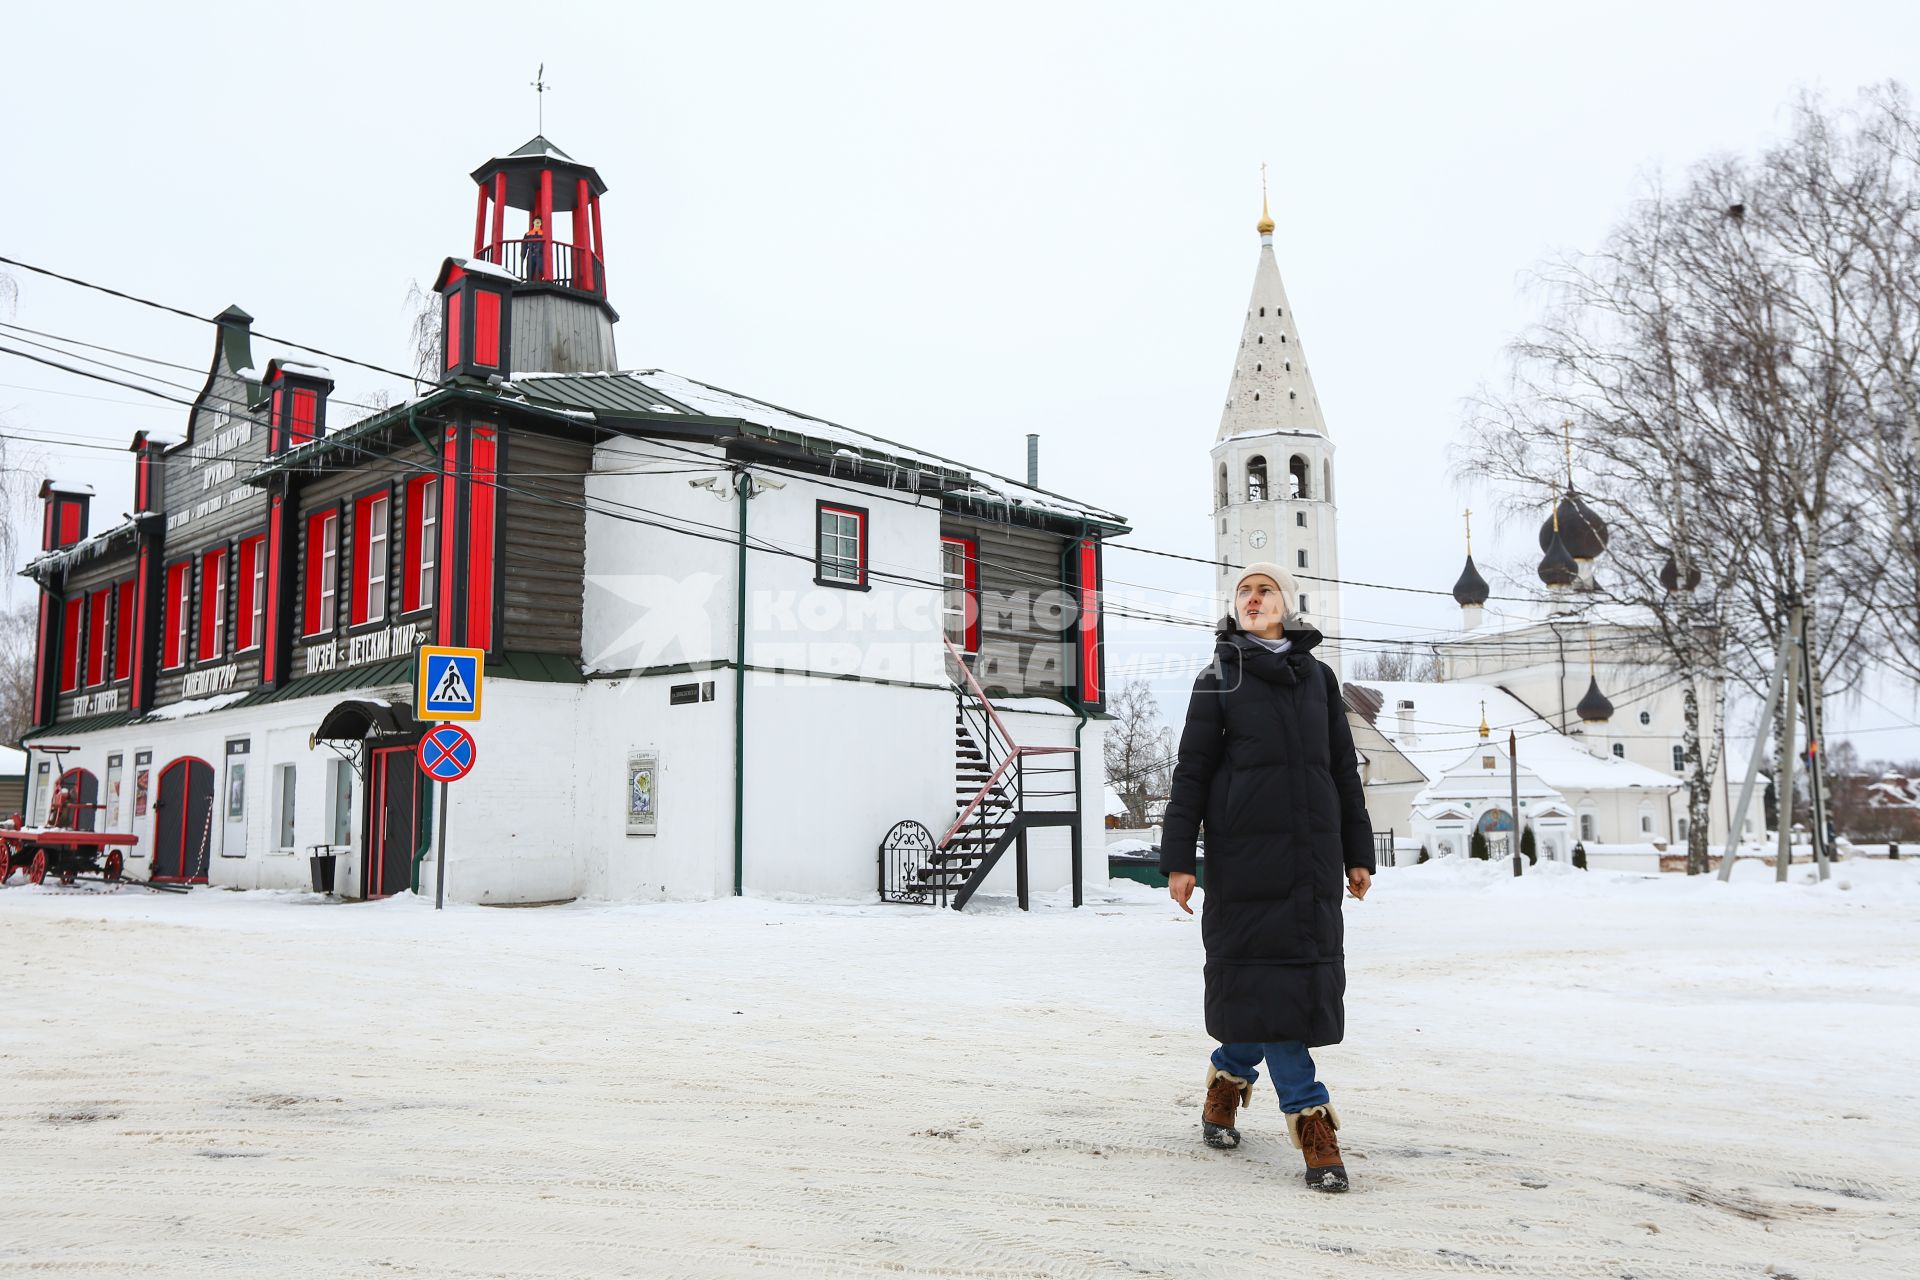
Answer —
1273 480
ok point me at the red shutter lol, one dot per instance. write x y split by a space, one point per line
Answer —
173 644
1089 620
270 616
360 545
449 468
123 626
486 328
453 330
97 635
70 646
305 414
480 505
69 523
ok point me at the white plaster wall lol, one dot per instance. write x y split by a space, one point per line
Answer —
691 855
831 765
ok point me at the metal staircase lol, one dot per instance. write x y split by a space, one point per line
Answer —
1002 791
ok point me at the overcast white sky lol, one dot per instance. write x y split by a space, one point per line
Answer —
947 226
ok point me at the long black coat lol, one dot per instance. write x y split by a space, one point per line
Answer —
1267 761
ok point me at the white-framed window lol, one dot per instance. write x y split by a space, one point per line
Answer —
1586 824
960 593
283 800
429 539
1300 518
1680 828
840 552
1301 557
1620 750
340 803
1646 822
1646 717
1679 759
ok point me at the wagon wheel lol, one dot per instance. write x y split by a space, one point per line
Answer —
37 869
113 868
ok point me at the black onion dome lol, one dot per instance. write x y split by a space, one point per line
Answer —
1581 528
1557 568
1472 588
1670 575
1595 708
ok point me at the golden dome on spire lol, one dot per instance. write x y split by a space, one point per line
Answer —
1265 225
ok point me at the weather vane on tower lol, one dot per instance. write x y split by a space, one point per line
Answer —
540 87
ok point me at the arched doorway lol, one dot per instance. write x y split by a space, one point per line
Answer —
83 801
183 821
1494 821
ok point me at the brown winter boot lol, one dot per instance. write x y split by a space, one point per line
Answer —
1312 1132
1225 1094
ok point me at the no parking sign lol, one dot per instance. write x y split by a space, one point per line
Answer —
447 753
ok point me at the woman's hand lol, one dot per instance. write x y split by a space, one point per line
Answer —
1359 880
1180 888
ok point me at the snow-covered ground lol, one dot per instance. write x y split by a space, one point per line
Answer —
1572 1075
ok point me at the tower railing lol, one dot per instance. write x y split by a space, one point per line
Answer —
574 266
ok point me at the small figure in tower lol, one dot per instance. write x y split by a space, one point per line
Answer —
533 252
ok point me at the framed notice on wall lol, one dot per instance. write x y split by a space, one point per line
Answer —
643 792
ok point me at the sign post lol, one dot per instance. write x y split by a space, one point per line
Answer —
447 687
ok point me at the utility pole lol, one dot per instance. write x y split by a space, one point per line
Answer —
1513 783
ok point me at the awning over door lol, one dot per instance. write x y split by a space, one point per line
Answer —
358 720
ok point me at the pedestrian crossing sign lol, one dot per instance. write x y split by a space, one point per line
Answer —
448 683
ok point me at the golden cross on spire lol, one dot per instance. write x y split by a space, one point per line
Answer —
1484 730
1265 225
1468 513
1566 432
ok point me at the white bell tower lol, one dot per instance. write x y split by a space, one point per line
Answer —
1273 478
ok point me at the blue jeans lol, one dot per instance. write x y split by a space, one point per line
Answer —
1289 1062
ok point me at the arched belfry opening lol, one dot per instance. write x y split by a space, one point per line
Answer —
1256 479
1220 497
1297 473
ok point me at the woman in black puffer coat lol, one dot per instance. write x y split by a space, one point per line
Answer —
1267 762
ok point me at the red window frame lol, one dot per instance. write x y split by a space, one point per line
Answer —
970 589
859 515
423 547
372 555
213 606
70 624
250 593
1088 622
99 608
322 576
179 613
123 631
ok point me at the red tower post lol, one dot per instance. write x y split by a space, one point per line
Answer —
582 241
599 255
480 223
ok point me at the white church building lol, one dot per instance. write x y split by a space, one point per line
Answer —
1597 713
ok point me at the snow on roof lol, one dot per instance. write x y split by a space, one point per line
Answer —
986 485
92 544
13 762
197 706
302 367
481 267
68 486
1443 728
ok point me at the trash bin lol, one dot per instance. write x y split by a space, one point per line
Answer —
322 860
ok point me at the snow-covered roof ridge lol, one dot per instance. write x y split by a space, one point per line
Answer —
720 402
91 545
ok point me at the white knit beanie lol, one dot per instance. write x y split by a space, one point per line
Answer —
1289 587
